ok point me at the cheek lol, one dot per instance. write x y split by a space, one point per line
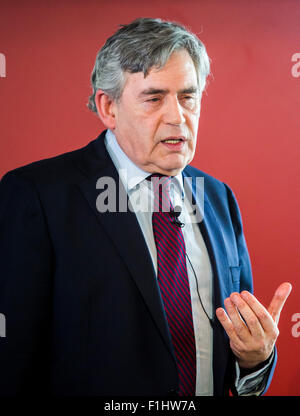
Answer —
146 138
142 144
194 130
194 121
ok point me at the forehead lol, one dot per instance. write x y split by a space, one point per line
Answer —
177 74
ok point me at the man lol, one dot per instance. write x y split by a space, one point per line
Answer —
128 301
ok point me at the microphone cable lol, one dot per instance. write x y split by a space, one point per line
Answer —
211 320
175 213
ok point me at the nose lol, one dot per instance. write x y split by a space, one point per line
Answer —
173 112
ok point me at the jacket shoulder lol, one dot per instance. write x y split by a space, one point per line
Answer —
57 169
211 183
48 165
218 192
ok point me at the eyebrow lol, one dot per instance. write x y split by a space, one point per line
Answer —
153 91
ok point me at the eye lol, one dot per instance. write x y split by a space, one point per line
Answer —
188 97
153 100
189 101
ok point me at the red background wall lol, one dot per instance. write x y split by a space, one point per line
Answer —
249 127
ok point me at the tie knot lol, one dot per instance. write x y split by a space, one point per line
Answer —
161 190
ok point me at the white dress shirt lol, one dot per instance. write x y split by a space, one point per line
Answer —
140 196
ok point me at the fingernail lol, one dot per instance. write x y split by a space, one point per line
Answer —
234 298
244 294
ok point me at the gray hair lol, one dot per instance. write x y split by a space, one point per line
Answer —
139 46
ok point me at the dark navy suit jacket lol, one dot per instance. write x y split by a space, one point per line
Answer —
78 289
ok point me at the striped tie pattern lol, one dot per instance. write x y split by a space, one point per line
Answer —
174 284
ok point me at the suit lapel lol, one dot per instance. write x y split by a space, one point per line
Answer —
214 241
124 231
213 238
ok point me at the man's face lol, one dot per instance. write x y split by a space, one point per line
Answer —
156 118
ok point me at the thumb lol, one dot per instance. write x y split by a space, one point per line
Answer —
278 300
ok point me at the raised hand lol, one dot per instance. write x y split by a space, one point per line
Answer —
251 328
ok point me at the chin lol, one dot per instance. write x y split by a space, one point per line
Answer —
173 171
171 166
177 166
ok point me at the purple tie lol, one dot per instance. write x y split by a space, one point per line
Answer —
174 283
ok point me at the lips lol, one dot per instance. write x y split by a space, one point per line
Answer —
174 142
174 139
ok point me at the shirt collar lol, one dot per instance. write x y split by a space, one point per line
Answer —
130 173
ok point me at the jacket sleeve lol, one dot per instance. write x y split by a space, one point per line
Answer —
25 288
246 283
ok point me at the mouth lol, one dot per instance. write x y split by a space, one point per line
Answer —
174 139
174 142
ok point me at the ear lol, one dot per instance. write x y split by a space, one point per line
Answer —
105 108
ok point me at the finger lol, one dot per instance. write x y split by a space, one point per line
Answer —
227 325
248 315
264 317
278 300
239 325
